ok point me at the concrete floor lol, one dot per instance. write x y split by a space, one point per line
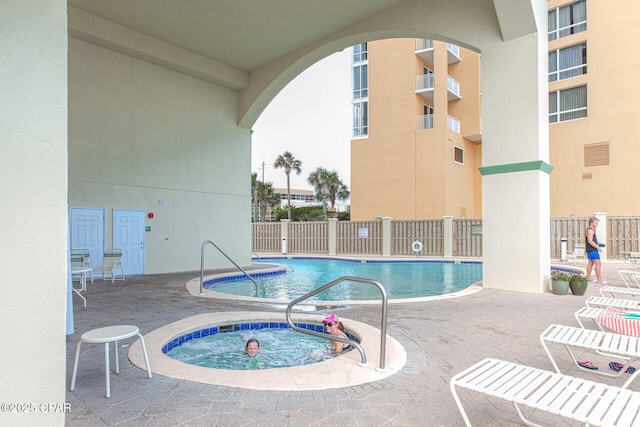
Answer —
441 338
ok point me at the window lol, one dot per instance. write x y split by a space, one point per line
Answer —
360 52
428 109
568 104
360 118
567 20
568 62
458 155
360 73
360 81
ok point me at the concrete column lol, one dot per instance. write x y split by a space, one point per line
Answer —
333 235
33 161
515 155
447 236
601 232
386 236
284 230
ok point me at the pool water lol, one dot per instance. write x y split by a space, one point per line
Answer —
278 348
400 279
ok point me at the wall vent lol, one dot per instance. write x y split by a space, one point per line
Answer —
586 176
596 154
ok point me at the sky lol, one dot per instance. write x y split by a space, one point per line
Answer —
312 118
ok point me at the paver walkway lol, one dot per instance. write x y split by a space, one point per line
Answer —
440 337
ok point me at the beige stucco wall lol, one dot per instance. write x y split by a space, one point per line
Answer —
139 133
613 91
412 171
33 185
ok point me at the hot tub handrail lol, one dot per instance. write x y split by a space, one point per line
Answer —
227 256
383 326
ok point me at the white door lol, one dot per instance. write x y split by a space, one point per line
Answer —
87 232
128 235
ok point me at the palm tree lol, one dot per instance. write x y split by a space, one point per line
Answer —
321 180
289 163
254 195
341 192
266 197
328 186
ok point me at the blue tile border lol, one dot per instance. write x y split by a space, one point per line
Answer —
249 326
372 261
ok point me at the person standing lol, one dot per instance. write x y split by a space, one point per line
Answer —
592 247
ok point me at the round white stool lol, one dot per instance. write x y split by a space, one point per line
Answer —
107 335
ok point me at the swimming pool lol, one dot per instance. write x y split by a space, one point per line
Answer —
400 278
222 347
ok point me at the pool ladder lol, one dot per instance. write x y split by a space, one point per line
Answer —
383 323
227 256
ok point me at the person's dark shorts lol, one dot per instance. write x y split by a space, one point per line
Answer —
593 255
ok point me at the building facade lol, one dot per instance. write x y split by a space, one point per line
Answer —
417 143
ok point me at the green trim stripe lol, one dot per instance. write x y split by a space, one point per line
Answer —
533 165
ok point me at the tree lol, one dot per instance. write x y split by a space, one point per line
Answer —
327 187
289 163
254 195
338 191
266 198
262 196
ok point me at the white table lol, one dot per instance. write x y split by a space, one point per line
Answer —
106 335
83 282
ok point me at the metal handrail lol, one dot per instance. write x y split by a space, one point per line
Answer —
227 256
383 326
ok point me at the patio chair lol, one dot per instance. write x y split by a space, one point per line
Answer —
77 262
86 260
578 251
111 262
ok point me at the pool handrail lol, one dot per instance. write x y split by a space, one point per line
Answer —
227 256
383 327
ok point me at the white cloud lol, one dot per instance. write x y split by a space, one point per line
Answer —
311 117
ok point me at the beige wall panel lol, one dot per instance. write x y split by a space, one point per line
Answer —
145 133
391 86
459 188
613 96
33 188
388 173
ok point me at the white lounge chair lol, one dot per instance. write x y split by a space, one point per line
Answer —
613 290
630 277
588 402
112 261
625 347
602 302
578 251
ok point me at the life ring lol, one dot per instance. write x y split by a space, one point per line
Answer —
416 247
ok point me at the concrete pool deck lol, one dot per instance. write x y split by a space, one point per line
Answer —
441 338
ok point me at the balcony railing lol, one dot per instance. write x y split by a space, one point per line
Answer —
453 53
425 122
453 89
424 86
423 44
453 124
424 49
